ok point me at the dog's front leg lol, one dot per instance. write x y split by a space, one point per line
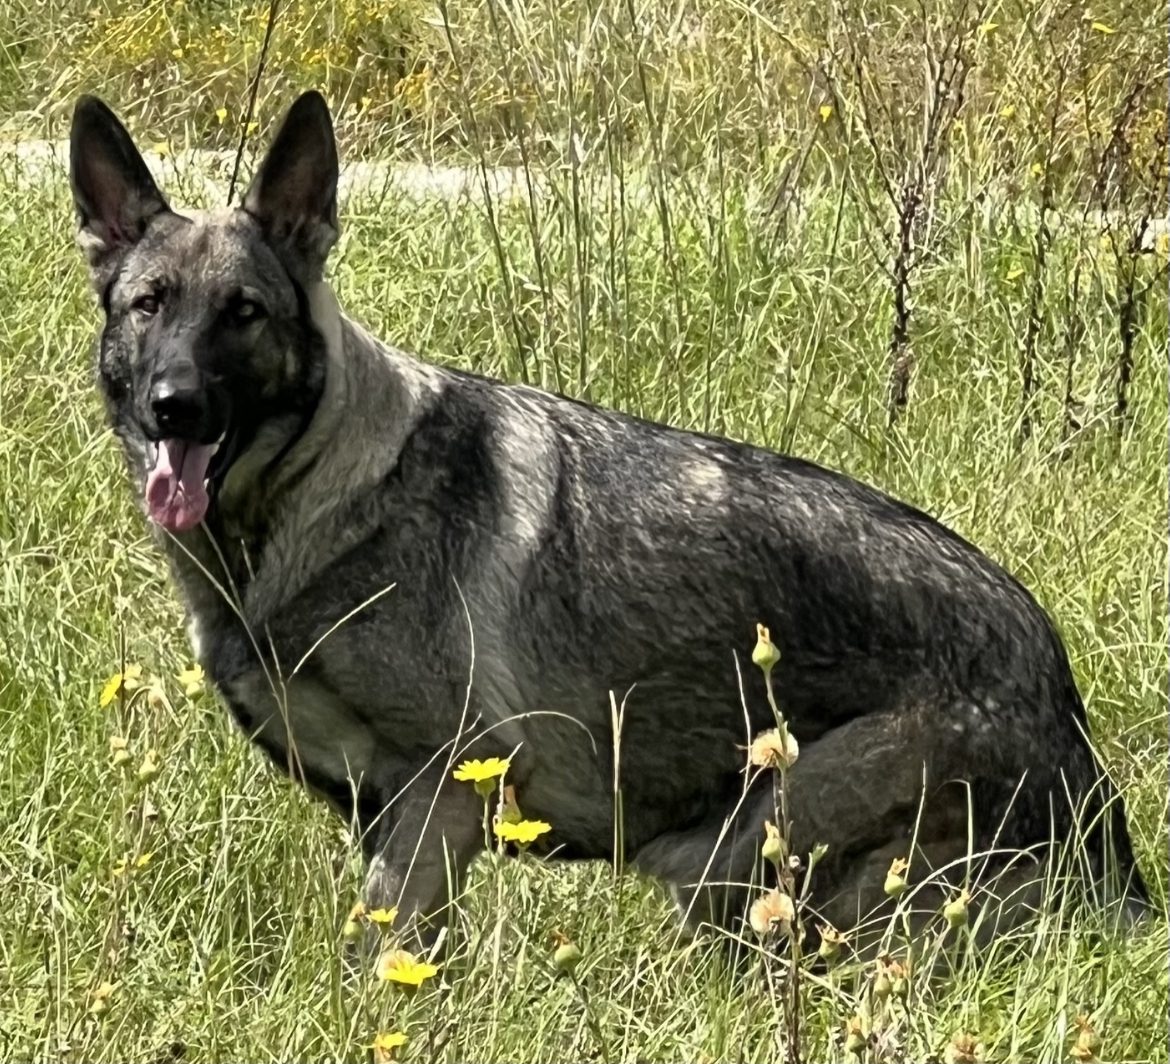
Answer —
422 846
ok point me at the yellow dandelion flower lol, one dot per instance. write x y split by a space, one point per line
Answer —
405 969
1007 113
385 1044
143 859
771 912
251 128
826 112
523 832
129 679
383 917
483 774
770 749
191 680
177 53
1037 169
162 148
1014 274
221 113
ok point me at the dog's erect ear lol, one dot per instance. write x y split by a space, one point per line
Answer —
294 193
115 196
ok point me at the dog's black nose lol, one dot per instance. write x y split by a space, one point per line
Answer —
178 410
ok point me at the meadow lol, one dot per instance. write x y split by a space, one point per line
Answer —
915 242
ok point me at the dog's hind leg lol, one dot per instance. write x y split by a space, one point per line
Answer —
876 788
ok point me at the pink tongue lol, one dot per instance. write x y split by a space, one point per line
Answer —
176 497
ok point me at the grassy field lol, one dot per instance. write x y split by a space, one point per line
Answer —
212 897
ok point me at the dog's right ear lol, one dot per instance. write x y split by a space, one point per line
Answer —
115 196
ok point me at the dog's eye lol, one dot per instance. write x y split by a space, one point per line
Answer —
247 311
147 305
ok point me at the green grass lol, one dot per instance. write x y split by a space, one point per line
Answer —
685 304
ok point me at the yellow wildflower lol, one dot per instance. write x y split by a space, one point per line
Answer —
383 917
1014 274
483 774
1007 113
221 113
99 998
191 680
161 148
988 27
385 1044
177 53
826 112
143 859
523 832
405 969
127 680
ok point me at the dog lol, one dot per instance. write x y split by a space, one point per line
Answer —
389 566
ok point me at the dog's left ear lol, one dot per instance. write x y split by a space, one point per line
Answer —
294 193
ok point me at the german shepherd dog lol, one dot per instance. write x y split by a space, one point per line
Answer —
388 567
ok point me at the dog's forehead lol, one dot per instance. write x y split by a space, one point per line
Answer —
210 250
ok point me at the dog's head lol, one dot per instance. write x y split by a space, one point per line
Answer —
208 343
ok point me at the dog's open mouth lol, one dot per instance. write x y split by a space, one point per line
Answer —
176 486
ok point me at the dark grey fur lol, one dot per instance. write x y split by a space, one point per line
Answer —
585 552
